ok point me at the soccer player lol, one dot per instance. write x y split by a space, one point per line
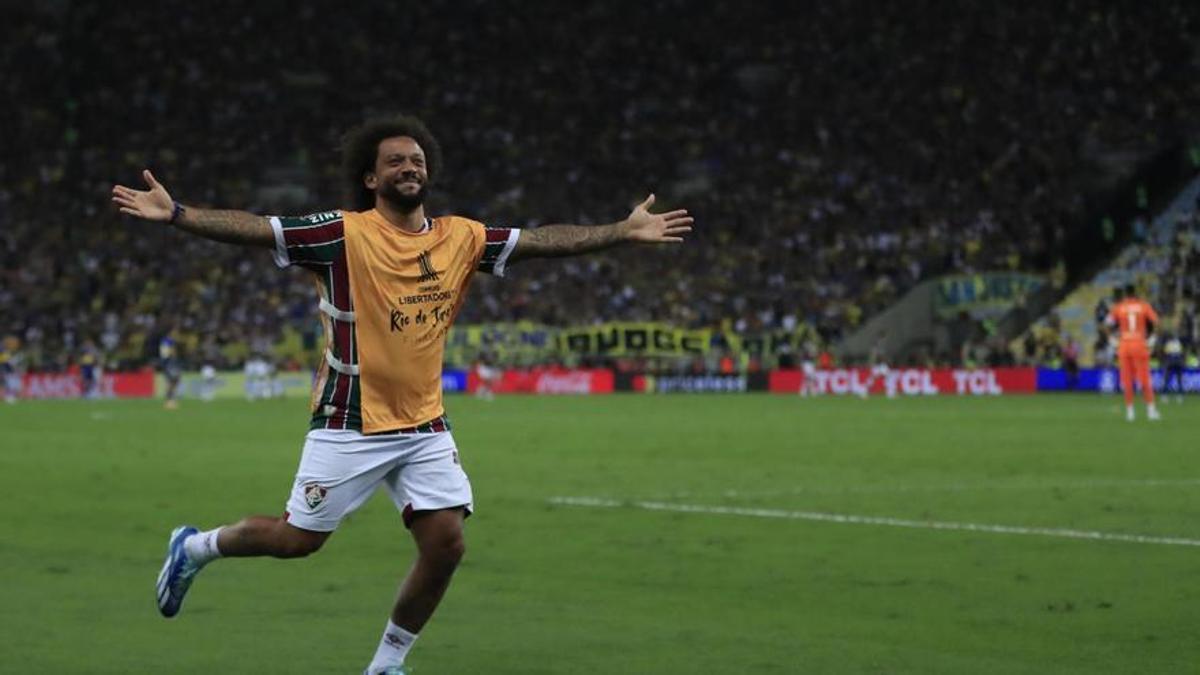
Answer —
391 281
808 373
257 377
1173 351
208 382
1134 319
879 367
168 362
90 369
10 368
273 386
489 378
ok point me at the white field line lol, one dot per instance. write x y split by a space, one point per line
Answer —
595 502
949 487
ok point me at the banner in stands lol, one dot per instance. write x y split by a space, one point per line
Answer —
1107 380
987 294
548 381
525 344
779 342
521 342
139 384
642 339
907 381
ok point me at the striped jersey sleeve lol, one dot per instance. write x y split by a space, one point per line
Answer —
499 243
313 241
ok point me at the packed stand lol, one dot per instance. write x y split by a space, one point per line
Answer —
832 156
1162 263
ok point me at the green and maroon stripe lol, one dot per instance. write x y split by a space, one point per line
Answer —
349 416
343 335
322 249
495 241
313 246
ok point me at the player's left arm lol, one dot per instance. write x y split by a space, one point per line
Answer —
552 241
1150 317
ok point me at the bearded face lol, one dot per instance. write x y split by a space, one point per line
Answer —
405 196
400 176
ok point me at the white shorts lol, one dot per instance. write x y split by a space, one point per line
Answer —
341 468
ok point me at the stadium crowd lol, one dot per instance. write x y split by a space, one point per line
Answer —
833 155
1162 263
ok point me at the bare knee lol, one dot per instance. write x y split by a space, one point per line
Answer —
452 550
293 542
441 543
444 552
297 543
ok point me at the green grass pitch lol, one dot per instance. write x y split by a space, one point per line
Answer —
91 489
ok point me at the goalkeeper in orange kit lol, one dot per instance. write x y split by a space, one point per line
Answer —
1135 320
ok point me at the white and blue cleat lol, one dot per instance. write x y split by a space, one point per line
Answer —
177 573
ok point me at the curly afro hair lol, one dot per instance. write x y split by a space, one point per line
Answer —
360 148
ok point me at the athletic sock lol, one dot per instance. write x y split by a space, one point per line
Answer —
202 547
393 647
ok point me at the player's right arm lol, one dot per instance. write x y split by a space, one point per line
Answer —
231 227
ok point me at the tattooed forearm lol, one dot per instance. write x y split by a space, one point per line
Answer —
231 227
551 241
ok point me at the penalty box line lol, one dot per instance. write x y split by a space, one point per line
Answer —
846 519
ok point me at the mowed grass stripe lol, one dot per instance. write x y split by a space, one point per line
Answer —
93 488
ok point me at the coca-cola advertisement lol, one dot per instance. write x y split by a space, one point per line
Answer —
548 381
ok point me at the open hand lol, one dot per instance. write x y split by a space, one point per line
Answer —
643 226
152 204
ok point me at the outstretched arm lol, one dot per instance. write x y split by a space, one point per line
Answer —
551 241
231 227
